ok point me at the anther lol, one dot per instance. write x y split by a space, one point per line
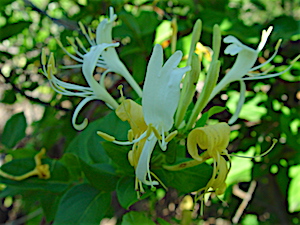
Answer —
171 136
71 42
105 136
130 135
44 59
155 131
82 28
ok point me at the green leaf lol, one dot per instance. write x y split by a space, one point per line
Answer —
131 23
9 96
186 180
82 205
100 176
72 162
49 203
162 222
119 155
14 130
126 193
58 181
134 218
212 111
87 144
12 29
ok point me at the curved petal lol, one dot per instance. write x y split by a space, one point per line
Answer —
142 169
240 103
90 60
104 29
76 112
232 49
213 138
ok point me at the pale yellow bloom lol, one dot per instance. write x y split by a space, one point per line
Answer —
213 139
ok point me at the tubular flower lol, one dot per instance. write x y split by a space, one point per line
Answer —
107 59
214 139
92 92
40 170
160 100
244 65
132 112
161 94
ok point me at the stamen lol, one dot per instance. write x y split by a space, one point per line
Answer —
274 74
120 88
91 35
130 135
79 42
72 43
106 136
68 53
149 130
270 59
44 59
260 74
258 156
156 133
82 28
171 136
159 180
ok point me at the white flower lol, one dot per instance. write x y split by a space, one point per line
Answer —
161 94
109 58
94 91
246 58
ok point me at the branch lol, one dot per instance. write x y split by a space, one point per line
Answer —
18 90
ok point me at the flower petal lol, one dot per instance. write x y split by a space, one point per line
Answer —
76 112
161 90
142 169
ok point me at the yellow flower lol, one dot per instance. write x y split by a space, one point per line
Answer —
40 170
132 112
214 139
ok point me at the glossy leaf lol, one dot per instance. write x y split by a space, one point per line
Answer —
87 144
82 204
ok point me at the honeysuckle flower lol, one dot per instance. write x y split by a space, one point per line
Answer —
40 170
244 66
213 139
161 94
109 58
94 90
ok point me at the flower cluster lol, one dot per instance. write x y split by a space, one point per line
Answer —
163 112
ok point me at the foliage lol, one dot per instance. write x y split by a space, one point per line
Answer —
92 179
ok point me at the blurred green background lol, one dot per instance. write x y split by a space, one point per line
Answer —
271 110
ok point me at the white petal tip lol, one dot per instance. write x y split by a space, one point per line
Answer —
82 125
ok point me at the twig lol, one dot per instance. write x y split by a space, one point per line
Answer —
70 25
7 80
246 196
